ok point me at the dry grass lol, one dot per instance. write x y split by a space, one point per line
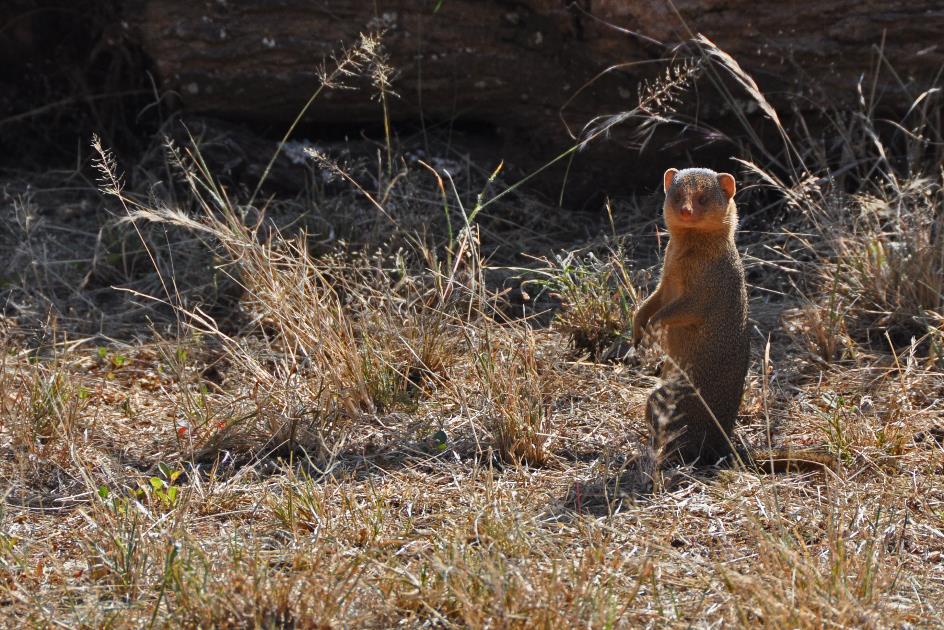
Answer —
598 301
374 442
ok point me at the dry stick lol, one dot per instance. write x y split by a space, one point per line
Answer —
67 101
766 385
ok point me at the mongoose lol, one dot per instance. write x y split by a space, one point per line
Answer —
701 306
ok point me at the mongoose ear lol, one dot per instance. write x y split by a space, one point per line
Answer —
667 179
726 181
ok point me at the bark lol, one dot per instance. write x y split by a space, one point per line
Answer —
513 64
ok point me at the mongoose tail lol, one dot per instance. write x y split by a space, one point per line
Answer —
786 460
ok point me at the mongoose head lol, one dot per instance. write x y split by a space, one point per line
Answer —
699 199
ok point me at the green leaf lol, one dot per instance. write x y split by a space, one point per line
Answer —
157 483
102 352
103 491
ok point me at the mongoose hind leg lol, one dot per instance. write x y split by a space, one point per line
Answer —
682 428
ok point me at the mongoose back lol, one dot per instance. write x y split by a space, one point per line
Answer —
701 306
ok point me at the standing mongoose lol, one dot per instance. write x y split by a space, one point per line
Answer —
701 306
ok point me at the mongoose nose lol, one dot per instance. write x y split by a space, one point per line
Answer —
686 212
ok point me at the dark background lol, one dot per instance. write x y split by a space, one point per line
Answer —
507 80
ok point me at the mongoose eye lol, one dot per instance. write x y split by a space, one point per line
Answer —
703 200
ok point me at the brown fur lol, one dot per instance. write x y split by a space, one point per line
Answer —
701 307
